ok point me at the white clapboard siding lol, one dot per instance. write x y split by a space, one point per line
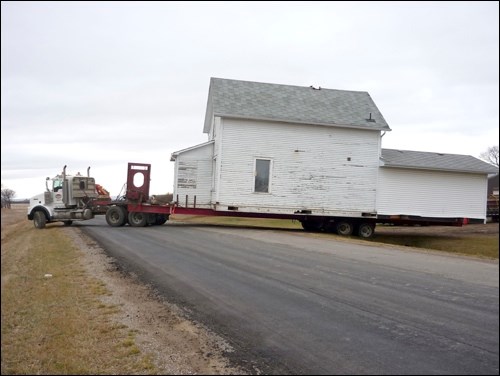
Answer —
193 176
319 168
431 193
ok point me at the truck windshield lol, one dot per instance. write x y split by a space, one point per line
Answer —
57 184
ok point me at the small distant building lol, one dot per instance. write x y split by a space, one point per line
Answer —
493 185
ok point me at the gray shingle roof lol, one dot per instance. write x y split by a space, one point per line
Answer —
263 101
435 161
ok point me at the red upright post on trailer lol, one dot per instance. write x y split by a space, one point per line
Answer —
138 178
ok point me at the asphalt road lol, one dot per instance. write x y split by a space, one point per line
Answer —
290 302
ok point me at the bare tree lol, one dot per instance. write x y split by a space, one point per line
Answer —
490 155
7 196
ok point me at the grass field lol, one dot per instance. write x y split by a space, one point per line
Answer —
468 244
52 319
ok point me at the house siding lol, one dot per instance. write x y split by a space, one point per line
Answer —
216 136
193 176
310 167
431 193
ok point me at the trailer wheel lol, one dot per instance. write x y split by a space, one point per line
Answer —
330 226
366 230
137 219
39 219
151 219
313 226
345 228
115 216
161 219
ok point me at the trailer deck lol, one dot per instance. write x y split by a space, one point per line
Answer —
137 210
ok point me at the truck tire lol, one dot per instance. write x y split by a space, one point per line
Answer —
330 227
312 226
366 230
137 219
345 228
39 219
151 219
161 219
115 216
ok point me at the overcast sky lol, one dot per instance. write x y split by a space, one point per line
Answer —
102 84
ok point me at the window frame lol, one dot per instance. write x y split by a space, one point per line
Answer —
269 183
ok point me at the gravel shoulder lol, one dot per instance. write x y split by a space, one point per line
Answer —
178 345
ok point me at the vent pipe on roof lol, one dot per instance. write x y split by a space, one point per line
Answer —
370 119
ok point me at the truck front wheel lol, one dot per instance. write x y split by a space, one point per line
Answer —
115 216
39 219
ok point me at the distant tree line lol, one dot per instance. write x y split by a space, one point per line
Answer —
7 196
491 155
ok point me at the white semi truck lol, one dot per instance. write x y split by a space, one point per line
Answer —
68 198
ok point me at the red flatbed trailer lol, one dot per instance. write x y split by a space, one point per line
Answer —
137 210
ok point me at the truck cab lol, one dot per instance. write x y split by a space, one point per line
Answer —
65 199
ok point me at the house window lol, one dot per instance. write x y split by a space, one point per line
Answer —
262 175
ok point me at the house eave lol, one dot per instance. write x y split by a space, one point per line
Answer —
174 155
435 169
293 121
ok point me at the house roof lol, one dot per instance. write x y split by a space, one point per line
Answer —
435 161
174 155
295 104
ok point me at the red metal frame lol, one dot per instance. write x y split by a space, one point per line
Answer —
138 193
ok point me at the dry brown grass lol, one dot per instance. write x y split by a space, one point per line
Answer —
56 324
480 246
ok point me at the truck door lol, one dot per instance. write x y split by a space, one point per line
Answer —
57 191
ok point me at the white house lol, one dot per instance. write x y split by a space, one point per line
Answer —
289 149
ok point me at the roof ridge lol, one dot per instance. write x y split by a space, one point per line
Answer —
431 152
287 85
